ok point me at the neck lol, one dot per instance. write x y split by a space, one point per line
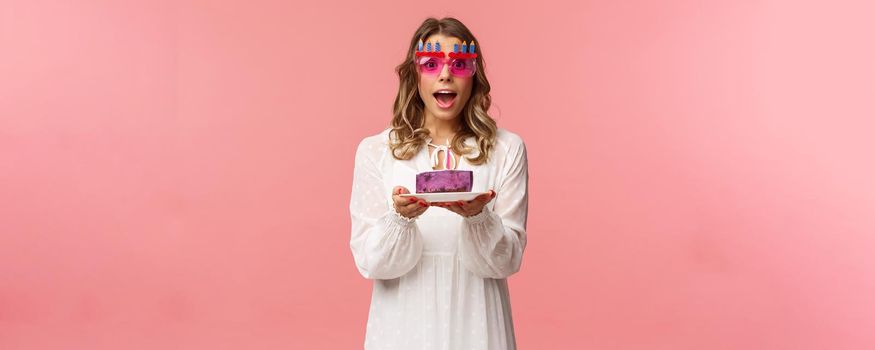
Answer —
441 129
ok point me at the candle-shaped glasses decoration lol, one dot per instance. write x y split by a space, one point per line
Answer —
459 51
463 51
428 50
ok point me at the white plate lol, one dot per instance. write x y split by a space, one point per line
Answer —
438 197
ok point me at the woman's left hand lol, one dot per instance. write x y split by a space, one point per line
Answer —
468 208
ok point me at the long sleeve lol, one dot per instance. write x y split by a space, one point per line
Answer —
384 243
492 242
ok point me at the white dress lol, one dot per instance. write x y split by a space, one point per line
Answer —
439 280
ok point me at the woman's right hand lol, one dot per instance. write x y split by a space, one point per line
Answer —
409 207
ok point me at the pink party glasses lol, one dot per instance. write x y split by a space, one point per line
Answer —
430 60
460 67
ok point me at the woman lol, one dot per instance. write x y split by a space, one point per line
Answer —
440 273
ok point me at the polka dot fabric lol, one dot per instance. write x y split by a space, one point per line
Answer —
439 280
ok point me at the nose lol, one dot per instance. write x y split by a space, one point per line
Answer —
445 74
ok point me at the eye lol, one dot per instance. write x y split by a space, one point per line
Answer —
428 63
459 64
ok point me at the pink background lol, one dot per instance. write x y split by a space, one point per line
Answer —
176 175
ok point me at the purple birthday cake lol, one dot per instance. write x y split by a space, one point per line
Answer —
444 181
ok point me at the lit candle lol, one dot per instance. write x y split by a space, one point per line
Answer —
464 47
456 48
471 48
449 156
437 47
419 47
428 47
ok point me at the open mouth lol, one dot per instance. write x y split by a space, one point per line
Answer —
445 99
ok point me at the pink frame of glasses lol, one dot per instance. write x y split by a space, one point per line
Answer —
441 61
437 53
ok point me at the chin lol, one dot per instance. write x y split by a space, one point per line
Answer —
445 115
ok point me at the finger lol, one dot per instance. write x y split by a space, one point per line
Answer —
472 208
411 206
422 209
418 211
419 202
401 201
403 205
441 204
400 190
405 201
454 208
462 212
464 207
484 198
412 210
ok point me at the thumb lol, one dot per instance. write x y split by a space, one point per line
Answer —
486 196
400 190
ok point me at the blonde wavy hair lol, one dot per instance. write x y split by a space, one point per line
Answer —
408 121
